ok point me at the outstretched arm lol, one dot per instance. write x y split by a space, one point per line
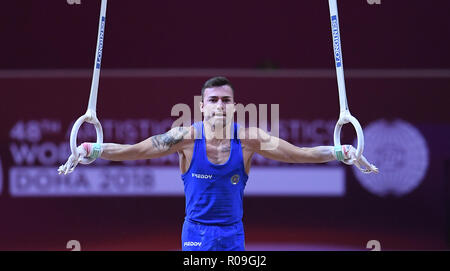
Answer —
278 149
153 147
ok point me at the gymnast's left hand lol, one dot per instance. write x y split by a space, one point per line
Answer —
349 157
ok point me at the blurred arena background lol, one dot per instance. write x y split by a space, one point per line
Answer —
158 54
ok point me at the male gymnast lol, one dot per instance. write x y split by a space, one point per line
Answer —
215 167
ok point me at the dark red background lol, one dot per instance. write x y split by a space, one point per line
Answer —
246 34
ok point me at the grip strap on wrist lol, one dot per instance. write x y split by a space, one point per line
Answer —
96 150
338 153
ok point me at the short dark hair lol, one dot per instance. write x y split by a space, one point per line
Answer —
217 81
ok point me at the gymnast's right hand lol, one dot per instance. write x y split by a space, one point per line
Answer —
85 151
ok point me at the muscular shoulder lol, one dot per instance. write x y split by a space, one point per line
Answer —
177 137
186 135
252 137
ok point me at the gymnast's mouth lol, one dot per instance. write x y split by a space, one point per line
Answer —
219 114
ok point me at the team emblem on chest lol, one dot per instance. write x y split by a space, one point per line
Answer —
235 179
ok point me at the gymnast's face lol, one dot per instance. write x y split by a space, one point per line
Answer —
218 105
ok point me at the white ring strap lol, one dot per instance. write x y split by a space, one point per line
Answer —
90 116
344 116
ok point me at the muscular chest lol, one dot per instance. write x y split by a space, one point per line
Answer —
218 153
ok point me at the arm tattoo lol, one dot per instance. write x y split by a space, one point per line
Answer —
167 140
